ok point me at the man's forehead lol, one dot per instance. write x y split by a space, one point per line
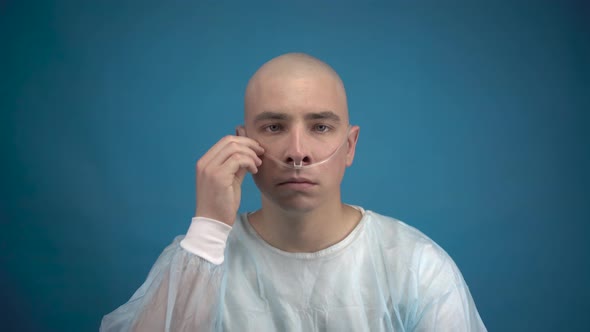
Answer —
274 88
271 82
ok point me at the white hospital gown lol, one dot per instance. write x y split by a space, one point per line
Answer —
384 276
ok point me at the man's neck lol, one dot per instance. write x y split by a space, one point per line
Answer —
308 231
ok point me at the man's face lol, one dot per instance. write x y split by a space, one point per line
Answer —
300 120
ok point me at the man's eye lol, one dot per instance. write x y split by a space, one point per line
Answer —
321 128
273 128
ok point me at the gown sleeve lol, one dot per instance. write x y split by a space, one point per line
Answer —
182 292
445 301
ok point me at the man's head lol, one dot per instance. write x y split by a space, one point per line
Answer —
295 106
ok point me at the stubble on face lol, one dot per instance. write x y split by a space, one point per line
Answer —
296 84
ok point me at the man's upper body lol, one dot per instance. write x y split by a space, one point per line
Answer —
305 260
384 276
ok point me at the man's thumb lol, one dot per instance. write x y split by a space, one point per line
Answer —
240 175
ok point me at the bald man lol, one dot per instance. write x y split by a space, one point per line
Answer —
305 261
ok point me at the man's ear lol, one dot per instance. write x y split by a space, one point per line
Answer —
241 130
353 137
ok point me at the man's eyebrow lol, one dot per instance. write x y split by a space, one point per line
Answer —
325 115
271 116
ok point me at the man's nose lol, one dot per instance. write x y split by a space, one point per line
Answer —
297 149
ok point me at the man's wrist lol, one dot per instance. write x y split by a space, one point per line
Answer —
206 238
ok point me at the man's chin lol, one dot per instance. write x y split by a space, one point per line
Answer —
294 202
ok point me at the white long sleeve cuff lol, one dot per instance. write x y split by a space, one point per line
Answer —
206 238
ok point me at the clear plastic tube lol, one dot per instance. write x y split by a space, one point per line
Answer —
300 166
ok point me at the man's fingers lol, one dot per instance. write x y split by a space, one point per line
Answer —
236 162
230 142
232 149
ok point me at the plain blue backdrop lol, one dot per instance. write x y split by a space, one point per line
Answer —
474 129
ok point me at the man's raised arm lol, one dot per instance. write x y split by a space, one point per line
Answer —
184 288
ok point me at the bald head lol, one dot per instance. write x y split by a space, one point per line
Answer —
282 82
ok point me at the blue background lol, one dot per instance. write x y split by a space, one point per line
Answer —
474 129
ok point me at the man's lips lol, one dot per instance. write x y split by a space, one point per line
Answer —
296 181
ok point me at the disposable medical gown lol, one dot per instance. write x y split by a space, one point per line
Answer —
384 276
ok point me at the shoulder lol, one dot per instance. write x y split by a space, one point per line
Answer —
396 233
410 249
424 280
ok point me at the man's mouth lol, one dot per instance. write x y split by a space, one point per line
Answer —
297 182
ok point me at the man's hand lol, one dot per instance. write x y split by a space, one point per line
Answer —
220 173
